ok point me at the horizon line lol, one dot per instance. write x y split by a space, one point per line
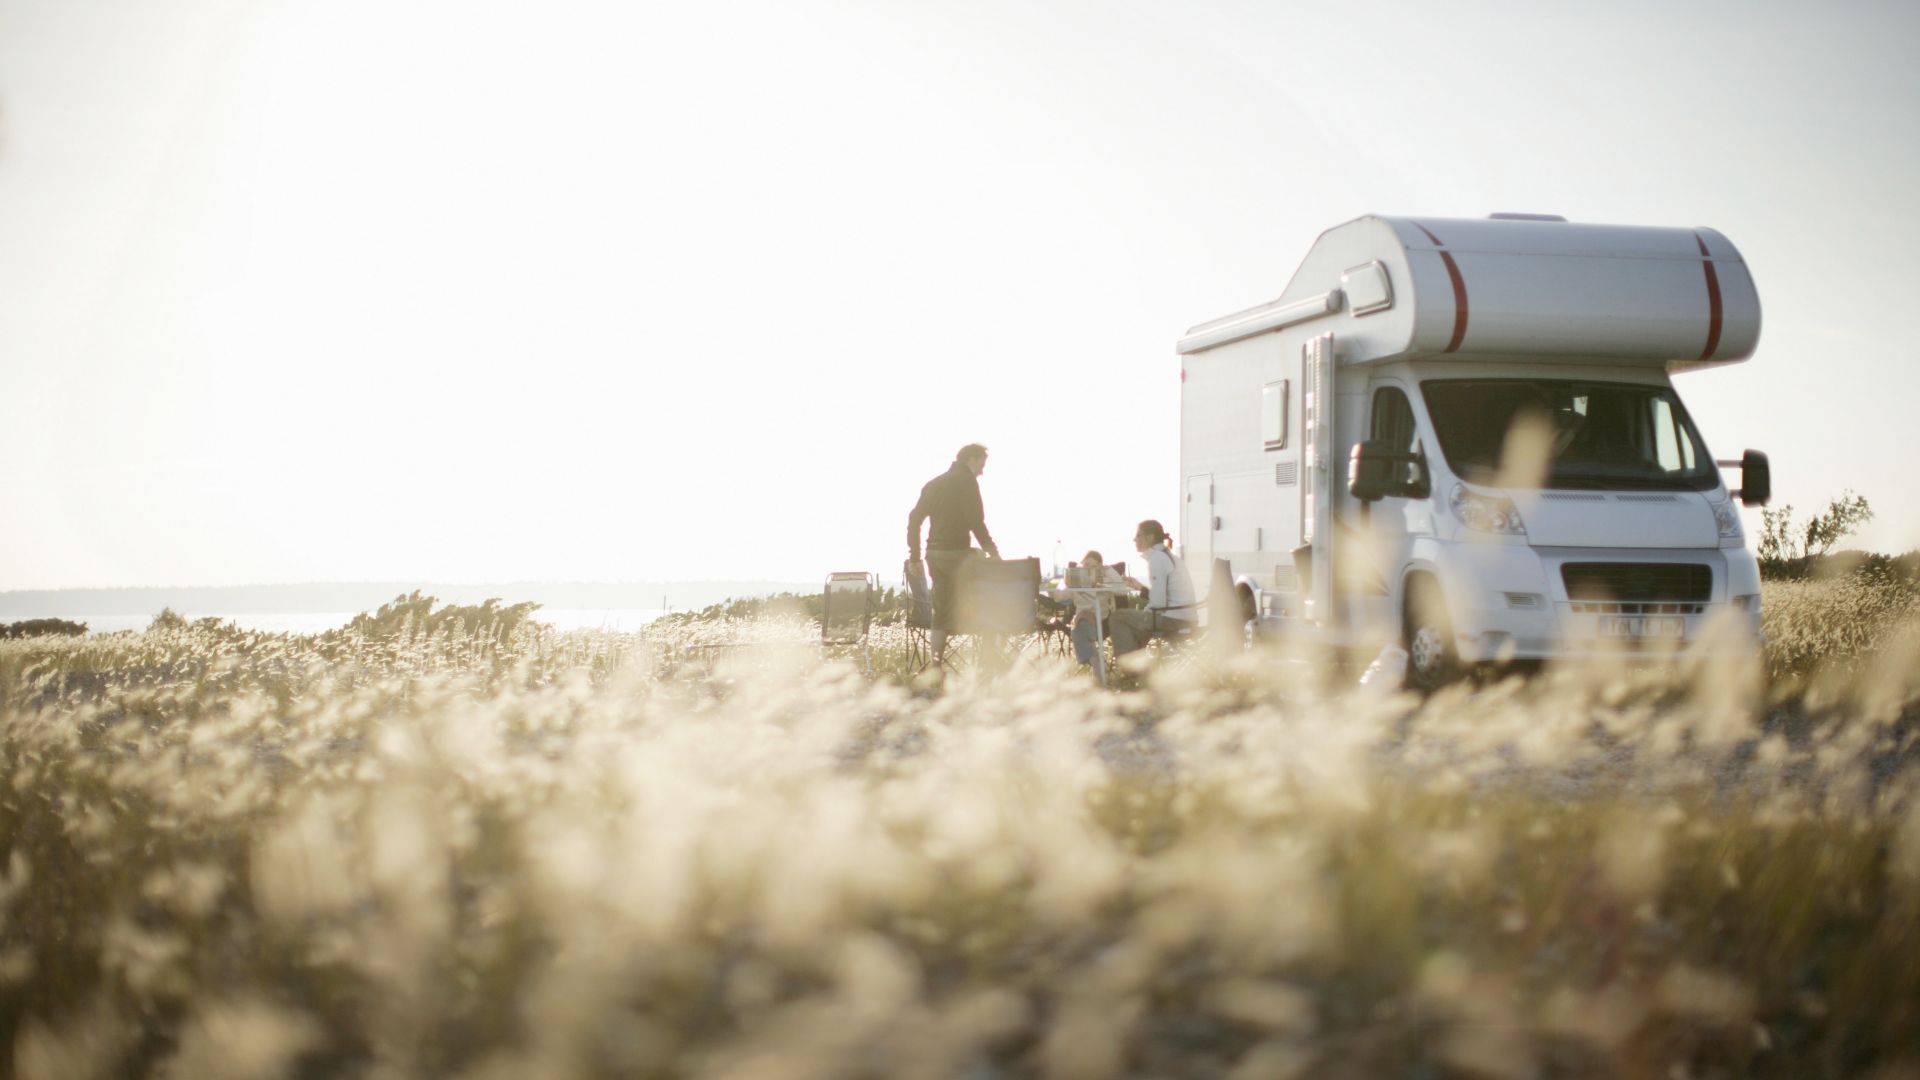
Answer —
418 584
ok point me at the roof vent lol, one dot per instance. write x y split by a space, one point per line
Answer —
1526 217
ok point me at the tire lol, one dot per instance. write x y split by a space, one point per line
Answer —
1431 660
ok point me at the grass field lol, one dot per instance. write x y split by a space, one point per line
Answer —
440 848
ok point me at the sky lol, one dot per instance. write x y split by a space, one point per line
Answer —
478 291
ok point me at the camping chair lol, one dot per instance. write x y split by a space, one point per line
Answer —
996 598
919 617
1173 643
846 612
1054 635
998 601
1221 588
1170 641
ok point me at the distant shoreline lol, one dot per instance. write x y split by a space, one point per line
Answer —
369 595
626 620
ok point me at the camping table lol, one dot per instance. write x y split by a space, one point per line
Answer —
1099 622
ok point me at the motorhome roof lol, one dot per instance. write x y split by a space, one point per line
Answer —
1405 288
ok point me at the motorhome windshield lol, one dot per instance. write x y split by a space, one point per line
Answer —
1598 435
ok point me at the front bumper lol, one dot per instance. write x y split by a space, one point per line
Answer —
1511 603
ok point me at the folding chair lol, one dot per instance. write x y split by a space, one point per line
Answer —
919 617
1054 635
846 612
998 601
1167 641
1174 642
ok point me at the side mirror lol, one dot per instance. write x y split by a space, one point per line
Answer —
1375 472
1369 473
1756 479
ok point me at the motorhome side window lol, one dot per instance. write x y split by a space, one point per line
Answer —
1393 420
1595 435
1394 428
1273 415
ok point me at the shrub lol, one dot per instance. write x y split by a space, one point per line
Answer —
414 613
1784 542
890 606
43 628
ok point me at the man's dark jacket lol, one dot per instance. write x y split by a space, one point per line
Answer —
952 500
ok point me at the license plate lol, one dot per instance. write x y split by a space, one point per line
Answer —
1643 626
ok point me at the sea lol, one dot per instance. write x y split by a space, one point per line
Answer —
314 622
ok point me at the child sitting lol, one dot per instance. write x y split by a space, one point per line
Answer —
1085 631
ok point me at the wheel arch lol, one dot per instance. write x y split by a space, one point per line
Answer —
1246 592
1416 571
1427 630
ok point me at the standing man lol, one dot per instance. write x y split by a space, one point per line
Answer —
952 501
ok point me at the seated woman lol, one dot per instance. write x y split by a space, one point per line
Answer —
1085 626
1170 605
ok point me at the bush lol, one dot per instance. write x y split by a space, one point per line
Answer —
43 628
890 606
414 613
1784 541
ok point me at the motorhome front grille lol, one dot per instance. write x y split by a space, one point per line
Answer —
1611 608
1573 496
1646 498
1637 582
1286 472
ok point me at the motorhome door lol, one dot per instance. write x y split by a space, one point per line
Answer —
1384 540
1197 531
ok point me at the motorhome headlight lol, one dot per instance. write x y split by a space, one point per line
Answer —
1725 516
1485 513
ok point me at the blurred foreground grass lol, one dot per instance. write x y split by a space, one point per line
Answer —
436 849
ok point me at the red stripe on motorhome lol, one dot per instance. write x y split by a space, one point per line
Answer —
1459 290
1714 312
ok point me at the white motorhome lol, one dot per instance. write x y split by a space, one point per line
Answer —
1465 432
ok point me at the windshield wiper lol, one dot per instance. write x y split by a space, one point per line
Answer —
1628 481
1579 483
1656 483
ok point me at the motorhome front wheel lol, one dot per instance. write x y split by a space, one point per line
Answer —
1431 661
